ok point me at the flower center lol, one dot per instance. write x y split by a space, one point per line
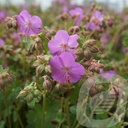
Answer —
64 47
28 24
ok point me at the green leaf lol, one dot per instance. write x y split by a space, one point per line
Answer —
2 124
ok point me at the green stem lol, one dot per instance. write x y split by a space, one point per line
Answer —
67 112
116 37
74 124
20 121
43 113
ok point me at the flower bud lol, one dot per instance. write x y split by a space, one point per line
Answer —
48 36
93 91
47 84
36 92
101 88
79 51
91 68
74 29
94 49
39 69
38 40
97 70
2 83
91 82
87 54
29 97
22 94
87 63
48 69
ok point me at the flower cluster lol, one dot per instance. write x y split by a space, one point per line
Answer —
63 63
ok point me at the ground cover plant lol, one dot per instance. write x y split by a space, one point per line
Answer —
49 57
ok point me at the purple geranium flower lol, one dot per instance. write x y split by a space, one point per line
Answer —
63 43
2 43
95 21
107 74
2 15
78 14
105 38
64 68
29 24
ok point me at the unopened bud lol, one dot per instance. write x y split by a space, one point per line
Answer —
47 85
91 68
87 63
22 94
97 70
39 69
79 51
2 83
94 49
101 88
14 24
91 42
37 40
29 97
37 93
48 69
48 36
91 82
93 91
87 54
74 29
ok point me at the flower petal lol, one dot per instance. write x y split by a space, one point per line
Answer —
59 75
55 62
72 42
77 70
62 36
67 59
36 22
54 47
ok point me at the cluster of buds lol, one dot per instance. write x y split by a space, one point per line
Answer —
117 85
74 29
93 65
90 48
30 92
11 22
63 16
95 89
5 78
41 64
48 83
49 34
36 44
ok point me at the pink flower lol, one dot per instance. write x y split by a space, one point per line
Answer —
2 43
108 74
29 24
63 43
64 68
95 21
2 15
78 14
